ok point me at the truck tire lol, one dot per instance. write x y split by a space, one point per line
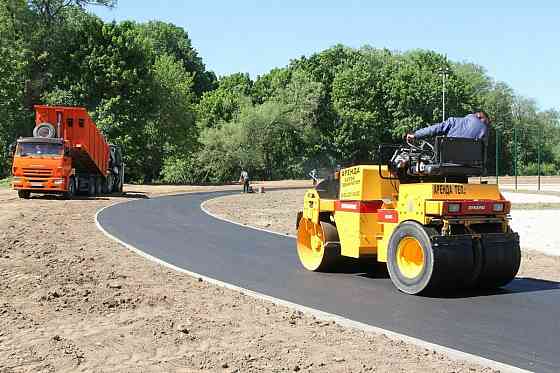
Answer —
119 185
99 185
71 188
109 182
104 185
24 194
91 187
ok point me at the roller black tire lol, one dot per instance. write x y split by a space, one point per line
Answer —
425 280
24 194
71 188
500 261
447 264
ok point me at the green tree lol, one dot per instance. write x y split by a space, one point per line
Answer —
15 119
224 103
271 84
358 97
166 38
172 133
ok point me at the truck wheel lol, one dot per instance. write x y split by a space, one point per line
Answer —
71 188
410 258
99 185
25 194
91 187
109 181
119 186
104 185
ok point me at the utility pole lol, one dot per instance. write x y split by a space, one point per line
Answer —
497 156
444 73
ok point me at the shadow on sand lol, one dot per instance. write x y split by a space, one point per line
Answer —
80 197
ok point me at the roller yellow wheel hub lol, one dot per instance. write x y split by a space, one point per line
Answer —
311 245
410 257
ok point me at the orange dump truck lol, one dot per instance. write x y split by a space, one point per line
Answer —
66 155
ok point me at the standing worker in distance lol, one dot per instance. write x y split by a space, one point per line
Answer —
244 178
314 176
473 126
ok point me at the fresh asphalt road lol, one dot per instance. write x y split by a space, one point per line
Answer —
519 326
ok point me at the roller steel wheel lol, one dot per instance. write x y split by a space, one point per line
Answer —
317 245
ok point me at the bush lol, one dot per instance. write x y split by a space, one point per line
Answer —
182 170
531 169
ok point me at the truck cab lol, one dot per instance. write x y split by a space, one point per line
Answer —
66 155
41 164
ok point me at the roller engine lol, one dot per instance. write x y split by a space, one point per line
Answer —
419 214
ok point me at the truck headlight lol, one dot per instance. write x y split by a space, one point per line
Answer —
17 180
58 181
498 207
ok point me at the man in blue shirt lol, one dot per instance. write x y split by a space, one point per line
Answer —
473 126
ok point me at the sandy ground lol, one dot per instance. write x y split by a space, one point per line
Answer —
276 211
522 198
72 300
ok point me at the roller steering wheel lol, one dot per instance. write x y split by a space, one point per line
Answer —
424 145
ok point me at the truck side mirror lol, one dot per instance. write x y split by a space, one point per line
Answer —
12 149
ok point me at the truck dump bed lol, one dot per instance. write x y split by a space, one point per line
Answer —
88 147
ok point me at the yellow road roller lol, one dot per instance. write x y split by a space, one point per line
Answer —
418 213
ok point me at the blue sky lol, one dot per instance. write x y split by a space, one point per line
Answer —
516 41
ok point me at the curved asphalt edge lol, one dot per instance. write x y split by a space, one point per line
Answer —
320 315
203 208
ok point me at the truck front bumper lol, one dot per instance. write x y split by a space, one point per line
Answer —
39 185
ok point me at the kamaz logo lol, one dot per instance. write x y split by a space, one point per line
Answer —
476 207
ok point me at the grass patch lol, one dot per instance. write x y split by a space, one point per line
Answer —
5 183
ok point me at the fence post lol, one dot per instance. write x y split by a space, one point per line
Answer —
515 154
